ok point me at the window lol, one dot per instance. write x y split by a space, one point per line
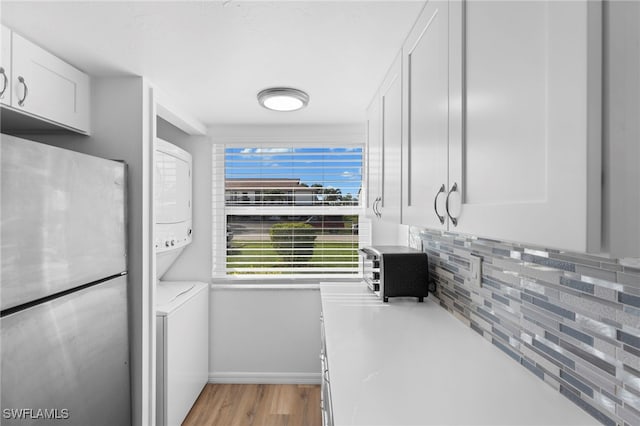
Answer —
292 210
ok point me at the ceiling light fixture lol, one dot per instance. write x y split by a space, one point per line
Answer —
283 99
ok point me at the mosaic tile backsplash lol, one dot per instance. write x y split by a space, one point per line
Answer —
571 319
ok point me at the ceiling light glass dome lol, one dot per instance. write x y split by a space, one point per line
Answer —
283 99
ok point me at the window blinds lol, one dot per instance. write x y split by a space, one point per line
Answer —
293 210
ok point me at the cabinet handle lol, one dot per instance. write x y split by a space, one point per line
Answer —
5 82
435 204
26 91
375 207
454 220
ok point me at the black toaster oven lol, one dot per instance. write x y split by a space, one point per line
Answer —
395 271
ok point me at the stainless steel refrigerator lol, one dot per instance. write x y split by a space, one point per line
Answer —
63 291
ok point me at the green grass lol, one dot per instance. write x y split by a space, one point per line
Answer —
263 255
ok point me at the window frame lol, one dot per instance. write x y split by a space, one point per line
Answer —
221 211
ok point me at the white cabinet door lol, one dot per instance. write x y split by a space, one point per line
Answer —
5 67
621 217
530 120
425 145
47 87
374 157
391 104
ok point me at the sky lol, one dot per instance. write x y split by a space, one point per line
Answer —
332 167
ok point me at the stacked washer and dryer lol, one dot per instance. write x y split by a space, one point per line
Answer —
182 307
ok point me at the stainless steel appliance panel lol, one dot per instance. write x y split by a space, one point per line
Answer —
63 220
70 353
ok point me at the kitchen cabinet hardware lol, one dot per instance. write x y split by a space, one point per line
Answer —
26 91
376 211
453 189
435 204
5 81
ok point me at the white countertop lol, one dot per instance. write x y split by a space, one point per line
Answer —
409 363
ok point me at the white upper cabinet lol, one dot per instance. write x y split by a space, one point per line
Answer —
391 106
374 156
47 87
503 121
41 85
5 67
426 102
523 164
621 171
384 132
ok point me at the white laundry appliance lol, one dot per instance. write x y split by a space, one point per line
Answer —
182 307
182 333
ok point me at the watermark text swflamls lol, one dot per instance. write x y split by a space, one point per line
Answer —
35 413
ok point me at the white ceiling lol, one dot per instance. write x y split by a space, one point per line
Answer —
213 57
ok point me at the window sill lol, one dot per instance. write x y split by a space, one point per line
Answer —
272 283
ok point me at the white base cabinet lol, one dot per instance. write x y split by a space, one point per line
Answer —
326 406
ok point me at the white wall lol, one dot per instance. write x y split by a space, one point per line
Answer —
119 111
264 335
261 333
385 233
248 133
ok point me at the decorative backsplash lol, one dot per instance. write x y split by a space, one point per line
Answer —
572 319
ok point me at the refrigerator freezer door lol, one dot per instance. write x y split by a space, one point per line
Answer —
69 355
62 220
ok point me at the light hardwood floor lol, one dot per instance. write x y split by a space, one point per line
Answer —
257 405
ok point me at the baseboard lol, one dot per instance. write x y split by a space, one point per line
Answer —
241 377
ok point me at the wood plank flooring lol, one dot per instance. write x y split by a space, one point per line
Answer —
258 405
